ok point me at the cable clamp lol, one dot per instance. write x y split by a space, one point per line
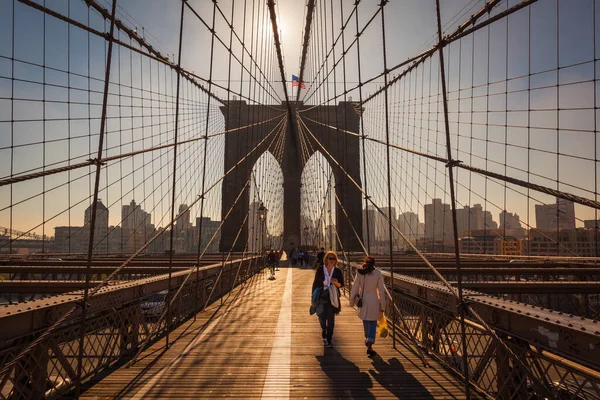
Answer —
363 136
367 197
201 196
96 161
473 18
464 307
79 303
453 163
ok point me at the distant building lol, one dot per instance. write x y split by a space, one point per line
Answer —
591 223
489 221
210 228
552 217
568 242
382 227
136 228
438 222
490 242
133 217
479 242
509 220
75 239
183 239
508 246
468 219
439 229
409 224
101 216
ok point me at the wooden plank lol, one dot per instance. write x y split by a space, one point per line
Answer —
227 353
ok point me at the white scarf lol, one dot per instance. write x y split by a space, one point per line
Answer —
328 276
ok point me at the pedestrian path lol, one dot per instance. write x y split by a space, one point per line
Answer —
262 343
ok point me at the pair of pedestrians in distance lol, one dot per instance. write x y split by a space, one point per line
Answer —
368 294
299 257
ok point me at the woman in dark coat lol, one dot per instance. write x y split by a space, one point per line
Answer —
329 275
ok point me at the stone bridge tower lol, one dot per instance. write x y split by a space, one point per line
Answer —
339 145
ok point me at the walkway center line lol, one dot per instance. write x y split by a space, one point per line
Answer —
277 380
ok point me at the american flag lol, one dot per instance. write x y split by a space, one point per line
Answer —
296 82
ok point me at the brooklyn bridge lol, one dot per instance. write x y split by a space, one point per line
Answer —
171 174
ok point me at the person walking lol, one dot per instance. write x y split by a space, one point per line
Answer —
271 262
368 293
329 279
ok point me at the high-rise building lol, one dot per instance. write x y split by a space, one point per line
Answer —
136 227
101 226
210 228
183 218
489 221
509 220
382 229
133 217
101 216
469 219
559 216
75 239
438 221
408 223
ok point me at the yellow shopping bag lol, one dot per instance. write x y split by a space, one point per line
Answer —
382 326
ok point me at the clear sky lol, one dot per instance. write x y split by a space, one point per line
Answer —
519 56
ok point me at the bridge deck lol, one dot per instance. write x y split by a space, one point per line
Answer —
262 342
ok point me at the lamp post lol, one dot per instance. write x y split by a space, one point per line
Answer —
262 216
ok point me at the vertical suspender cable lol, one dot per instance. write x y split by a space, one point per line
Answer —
362 134
212 45
95 201
462 307
389 175
178 71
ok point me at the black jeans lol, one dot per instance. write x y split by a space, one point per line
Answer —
327 321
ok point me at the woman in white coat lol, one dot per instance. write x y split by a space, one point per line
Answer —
370 288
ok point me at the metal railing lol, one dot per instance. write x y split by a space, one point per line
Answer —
121 320
551 355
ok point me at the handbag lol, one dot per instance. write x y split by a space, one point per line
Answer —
359 303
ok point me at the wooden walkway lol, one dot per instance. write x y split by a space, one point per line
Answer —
262 343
